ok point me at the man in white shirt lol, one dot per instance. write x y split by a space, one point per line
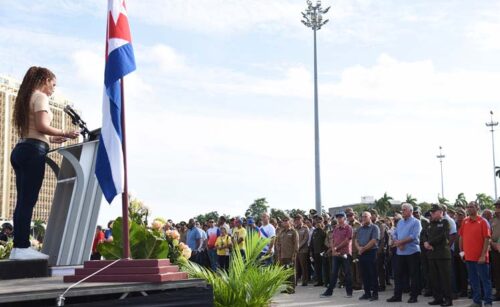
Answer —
267 230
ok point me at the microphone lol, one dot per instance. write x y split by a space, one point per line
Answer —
77 120
72 113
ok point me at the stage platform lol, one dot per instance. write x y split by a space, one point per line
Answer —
45 291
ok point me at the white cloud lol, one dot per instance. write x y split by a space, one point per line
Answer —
392 81
216 16
485 34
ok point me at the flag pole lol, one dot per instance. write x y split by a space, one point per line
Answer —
125 200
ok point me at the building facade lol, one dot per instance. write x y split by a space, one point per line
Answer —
8 139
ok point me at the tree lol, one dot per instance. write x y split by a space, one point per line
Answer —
294 212
258 207
411 200
277 214
484 201
424 206
138 212
383 204
443 201
359 209
461 201
203 218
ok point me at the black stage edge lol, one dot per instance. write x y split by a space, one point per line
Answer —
12 269
45 291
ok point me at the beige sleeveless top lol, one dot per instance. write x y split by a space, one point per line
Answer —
39 102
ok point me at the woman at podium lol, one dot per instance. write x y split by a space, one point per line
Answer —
32 119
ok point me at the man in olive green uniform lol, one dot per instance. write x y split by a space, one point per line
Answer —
288 242
424 269
316 247
357 280
436 242
301 261
382 248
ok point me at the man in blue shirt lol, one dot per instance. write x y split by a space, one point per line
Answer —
407 240
366 242
194 241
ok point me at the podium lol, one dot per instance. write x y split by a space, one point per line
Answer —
75 207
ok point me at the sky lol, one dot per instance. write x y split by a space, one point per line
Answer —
220 108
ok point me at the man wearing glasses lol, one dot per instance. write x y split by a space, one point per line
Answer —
407 241
474 242
366 242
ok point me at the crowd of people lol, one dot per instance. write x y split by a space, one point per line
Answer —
444 253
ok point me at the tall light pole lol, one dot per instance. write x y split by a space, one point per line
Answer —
313 19
492 124
441 157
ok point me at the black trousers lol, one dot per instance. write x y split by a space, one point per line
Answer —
223 262
344 263
440 278
408 267
381 269
367 262
28 161
318 267
461 274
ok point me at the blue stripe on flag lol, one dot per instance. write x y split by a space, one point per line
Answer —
115 97
104 174
109 164
120 62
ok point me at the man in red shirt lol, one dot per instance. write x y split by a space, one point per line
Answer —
341 251
98 239
474 242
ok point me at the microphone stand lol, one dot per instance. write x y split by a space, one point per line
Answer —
76 120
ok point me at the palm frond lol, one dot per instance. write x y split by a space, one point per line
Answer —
247 283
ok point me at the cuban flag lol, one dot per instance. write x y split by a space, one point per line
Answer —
119 62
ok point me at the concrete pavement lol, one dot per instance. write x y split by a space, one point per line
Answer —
309 296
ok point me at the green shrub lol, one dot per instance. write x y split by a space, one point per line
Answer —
247 283
144 243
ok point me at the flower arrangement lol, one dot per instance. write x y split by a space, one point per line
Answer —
177 248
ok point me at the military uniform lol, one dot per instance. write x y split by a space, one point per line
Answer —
424 271
316 247
381 254
288 242
357 280
301 261
439 259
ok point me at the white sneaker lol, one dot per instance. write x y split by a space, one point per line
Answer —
26 254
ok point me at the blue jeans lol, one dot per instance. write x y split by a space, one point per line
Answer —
479 274
338 261
28 161
212 256
367 262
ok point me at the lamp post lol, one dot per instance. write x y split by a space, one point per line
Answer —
492 124
441 157
313 19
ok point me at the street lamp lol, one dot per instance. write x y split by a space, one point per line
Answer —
441 157
492 124
313 19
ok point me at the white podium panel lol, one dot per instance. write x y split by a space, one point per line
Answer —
75 208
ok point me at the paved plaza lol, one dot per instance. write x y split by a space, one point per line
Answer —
309 296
